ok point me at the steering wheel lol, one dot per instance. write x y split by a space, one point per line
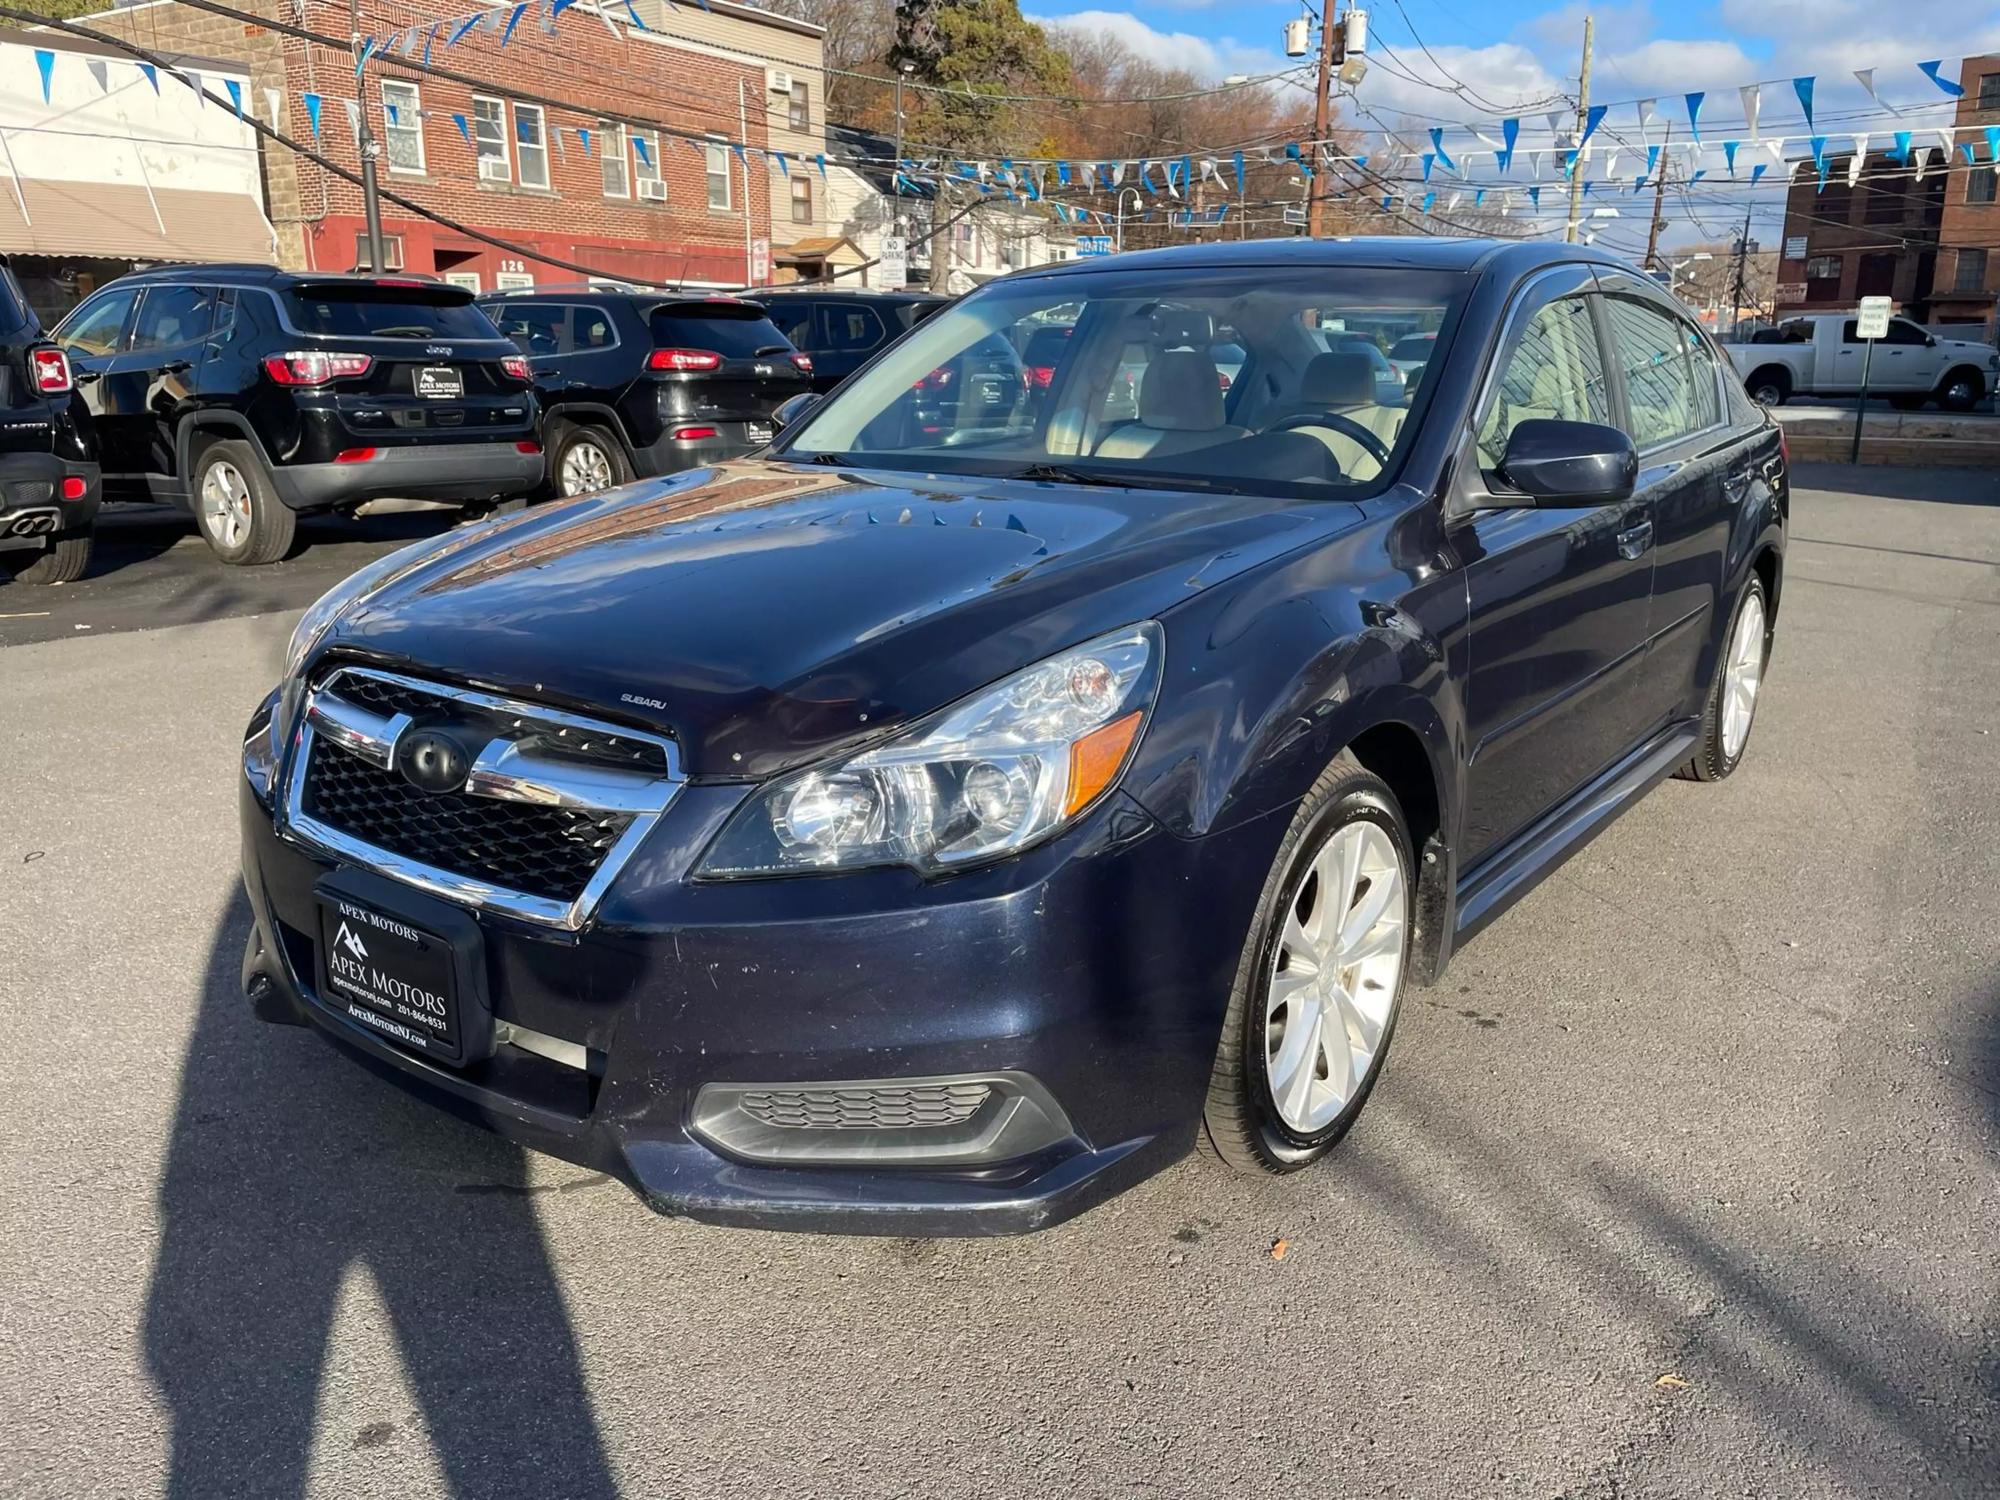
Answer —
1377 449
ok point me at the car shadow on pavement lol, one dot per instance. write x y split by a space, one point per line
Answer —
1888 482
288 1171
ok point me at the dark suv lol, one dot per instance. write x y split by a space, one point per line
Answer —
842 327
638 383
48 470
249 395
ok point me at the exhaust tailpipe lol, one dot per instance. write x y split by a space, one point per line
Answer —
34 523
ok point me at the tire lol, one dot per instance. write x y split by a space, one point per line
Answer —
1961 390
64 559
1724 738
1261 1115
584 460
1769 387
236 506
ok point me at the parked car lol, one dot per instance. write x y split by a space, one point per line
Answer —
252 396
843 327
639 383
913 831
1411 353
1819 355
49 482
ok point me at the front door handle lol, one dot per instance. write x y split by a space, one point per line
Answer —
1635 539
177 367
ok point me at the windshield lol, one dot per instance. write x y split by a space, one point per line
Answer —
1231 379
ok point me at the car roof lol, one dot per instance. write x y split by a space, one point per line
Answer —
253 274
1412 252
870 293
642 297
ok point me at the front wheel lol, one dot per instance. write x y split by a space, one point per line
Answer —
1732 702
62 559
238 508
1320 982
1961 390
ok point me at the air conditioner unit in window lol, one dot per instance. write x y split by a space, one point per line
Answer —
653 188
494 169
781 82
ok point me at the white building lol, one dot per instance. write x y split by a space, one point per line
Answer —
108 172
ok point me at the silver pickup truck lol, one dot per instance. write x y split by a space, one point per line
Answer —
1819 355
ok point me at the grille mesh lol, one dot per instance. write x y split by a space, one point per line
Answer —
887 1107
538 851
547 738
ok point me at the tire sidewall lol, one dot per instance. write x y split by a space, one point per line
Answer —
1357 804
1719 757
571 435
262 497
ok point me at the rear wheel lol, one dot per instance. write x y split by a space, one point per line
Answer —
584 460
237 507
61 559
1732 702
1320 982
1769 387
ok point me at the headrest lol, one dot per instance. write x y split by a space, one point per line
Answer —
1181 328
1343 378
1181 391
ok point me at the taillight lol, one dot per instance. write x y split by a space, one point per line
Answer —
803 363
527 445
693 434
316 367
73 487
515 365
51 371
1784 448
937 378
1041 376
684 359
354 455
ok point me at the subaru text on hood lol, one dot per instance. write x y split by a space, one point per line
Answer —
957 814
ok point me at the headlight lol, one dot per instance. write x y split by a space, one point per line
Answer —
985 778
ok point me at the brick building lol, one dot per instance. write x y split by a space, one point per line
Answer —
1968 279
642 185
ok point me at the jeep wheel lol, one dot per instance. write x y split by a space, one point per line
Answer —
1320 981
62 559
584 460
240 514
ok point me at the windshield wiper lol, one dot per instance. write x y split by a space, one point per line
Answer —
1123 479
831 460
771 349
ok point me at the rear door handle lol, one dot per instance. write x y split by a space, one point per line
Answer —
177 367
1635 539
1736 483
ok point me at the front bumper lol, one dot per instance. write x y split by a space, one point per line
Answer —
1071 968
433 471
31 490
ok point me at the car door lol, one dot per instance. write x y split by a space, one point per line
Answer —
1694 469
1848 353
153 380
1906 359
1558 598
93 335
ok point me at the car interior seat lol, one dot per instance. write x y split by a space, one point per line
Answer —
1180 409
1343 383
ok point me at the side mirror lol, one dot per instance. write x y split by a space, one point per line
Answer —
792 408
1930 341
1562 464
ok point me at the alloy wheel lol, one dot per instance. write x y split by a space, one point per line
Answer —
1741 674
586 469
1331 987
225 504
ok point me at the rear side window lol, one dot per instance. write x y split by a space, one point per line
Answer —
539 328
170 316
385 312
1659 383
735 330
792 316
853 330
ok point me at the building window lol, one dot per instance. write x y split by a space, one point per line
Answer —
1971 277
611 151
489 139
1823 278
800 111
718 179
1836 201
646 178
1885 201
392 253
1989 90
802 199
1979 185
531 145
402 126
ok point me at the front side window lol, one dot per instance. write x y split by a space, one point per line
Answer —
718 178
489 139
1903 331
1554 373
541 329
611 149
402 126
95 327
1154 385
1652 351
173 315
531 142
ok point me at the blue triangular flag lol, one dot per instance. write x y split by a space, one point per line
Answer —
1803 87
463 128
464 26
1437 145
1729 155
432 35
1930 71
1652 159
1429 161
152 75
1535 196
1966 148
1700 172
642 150
820 162
46 61
1510 132
312 103
236 99
783 169
560 6
1593 118
513 20
633 11
1694 115
583 135
1479 198
1062 173
1236 160
1993 142
1429 199
367 51
1758 171
1901 155
741 160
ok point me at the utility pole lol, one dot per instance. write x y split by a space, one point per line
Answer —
1315 199
371 198
1582 123
1659 202
1742 261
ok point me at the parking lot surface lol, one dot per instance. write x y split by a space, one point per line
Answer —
1682 1183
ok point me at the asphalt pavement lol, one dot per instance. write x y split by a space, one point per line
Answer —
1682 1183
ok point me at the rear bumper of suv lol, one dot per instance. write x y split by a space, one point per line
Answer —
32 499
431 471
672 455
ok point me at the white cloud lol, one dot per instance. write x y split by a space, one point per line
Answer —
1209 60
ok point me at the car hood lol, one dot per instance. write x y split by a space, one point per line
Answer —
766 614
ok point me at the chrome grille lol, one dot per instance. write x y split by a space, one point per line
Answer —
552 808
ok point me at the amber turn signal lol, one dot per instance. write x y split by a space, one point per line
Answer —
1095 759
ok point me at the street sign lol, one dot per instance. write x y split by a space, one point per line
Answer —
1093 244
1795 247
760 261
894 267
1295 216
1873 321
1791 291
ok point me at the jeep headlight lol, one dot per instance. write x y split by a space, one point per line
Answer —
984 778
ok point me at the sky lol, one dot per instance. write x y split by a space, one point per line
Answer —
1453 62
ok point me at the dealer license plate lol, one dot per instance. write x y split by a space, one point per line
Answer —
440 382
758 432
395 979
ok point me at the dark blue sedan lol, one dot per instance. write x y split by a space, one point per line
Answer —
950 816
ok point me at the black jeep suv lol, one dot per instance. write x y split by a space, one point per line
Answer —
48 469
249 395
842 327
637 383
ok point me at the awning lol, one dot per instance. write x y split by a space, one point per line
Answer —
121 221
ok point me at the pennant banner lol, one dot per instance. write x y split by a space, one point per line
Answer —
1930 71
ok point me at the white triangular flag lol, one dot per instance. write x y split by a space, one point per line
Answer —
1923 161
1860 155
100 73
1645 115
274 105
200 89
1535 163
1751 93
1776 146
1944 143
353 119
1866 78
1611 165
1792 169
1451 203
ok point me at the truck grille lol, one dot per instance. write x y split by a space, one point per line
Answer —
545 811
